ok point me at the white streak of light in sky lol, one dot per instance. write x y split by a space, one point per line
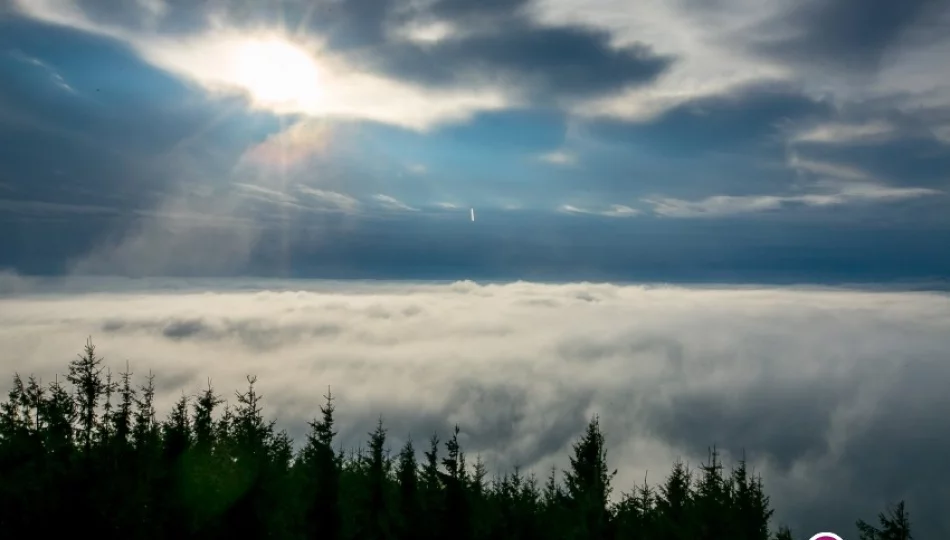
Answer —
473 214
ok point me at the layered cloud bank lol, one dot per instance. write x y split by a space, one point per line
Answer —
837 396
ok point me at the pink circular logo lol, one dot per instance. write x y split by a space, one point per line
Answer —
826 536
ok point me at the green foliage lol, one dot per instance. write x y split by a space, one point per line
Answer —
93 454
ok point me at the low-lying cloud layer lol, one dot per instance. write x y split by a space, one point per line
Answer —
837 396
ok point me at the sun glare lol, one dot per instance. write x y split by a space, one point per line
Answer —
278 73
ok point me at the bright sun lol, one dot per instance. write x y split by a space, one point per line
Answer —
277 73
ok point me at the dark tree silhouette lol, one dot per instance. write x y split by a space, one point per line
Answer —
410 512
783 533
87 457
894 525
588 485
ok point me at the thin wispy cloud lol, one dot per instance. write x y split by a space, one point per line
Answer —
838 133
54 75
831 194
558 157
616 210
418 168
826 169
266 194
332 199
392 203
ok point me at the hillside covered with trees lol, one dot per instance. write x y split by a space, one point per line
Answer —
87 454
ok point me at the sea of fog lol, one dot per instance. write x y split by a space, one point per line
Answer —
836 395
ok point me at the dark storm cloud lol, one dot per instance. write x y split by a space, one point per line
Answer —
752 119
550 62
852 34
912 160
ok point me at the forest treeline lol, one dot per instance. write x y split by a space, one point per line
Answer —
87 456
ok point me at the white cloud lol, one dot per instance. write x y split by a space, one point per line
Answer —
558 157
911 72
717 52
829 193
54 75
418 168
619 210
786 374
426 31
708 61
393 203
836 133
828 169
615 210
333 198
262 193
321 84
942 133
290 147
715 206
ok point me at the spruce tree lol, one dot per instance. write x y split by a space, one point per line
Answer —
588 485
410 523
122 419
85 374
751 511
894 525
674 504
713 500
251 438
318 469
122 474
376 523
433 505
457 513
783 533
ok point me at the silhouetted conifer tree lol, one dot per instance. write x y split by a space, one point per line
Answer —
894 525
92 460
713 500
407 477
375 522
456 517
674 505
635 516
588 485
318 468
85 374
751 511
783 533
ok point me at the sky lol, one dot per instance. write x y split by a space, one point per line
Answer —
729 141
174 175
836 396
